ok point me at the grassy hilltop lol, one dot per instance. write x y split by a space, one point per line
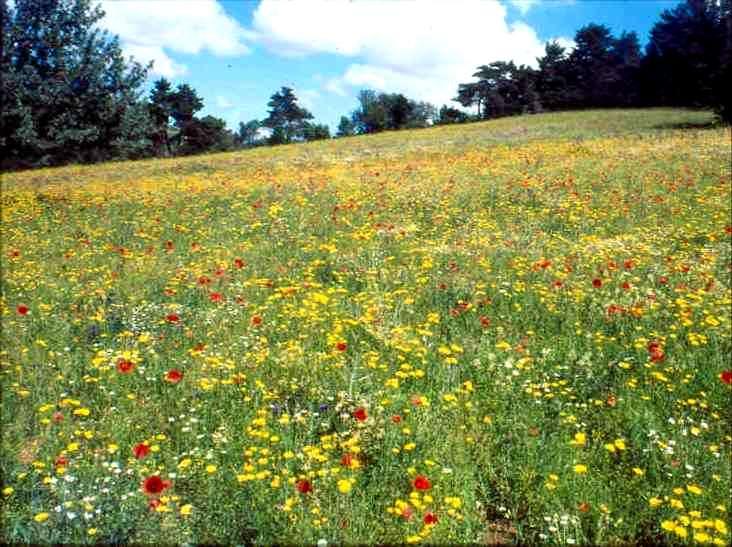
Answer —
516 330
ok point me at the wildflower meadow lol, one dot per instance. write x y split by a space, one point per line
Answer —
502 332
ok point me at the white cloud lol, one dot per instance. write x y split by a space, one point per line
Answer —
524 5
566 43
420 48
151 30
307 97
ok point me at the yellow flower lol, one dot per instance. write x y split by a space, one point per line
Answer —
580 469
211 469
82 412
344 486
8 490
92 531
579 439
41 517
186 509
619 444
668 525
694 489
655 502
638 471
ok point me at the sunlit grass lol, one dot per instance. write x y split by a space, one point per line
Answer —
516 330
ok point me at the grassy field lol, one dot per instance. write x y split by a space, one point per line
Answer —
511 331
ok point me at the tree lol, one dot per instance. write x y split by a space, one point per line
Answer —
248 133
315 131
551 81
161 110
382 111
67 92
626 56
421 114
206 134
593 71
184 102
471 94
371 116
346 127
685 57
449 115
286 118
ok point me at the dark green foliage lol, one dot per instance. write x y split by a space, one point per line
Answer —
688 62
346 127
449 114
205 134
382 111
502 89
315 132
161 109
286 117
67 92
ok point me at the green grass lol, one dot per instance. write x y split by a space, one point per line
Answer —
507 301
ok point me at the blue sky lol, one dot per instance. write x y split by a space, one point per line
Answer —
236 53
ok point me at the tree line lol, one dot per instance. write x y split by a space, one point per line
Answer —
686 63
69 95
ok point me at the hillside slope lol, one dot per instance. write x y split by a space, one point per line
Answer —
517 330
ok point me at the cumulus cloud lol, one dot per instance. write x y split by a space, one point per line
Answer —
420 48
150 31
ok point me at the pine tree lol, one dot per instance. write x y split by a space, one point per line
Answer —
68 93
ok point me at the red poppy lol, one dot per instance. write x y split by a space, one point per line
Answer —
430 518
154 503
140 450
728 229
172 318
341 346
239 263
726 377
173 376
256 320
396 418
656 352
360 414
626 285
58 417
61 461
303 486
597 283
22 309
421 483
154 485
628 264
169 246
216 297
485 321
124 366
663 280
347 460
558 284
204 280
